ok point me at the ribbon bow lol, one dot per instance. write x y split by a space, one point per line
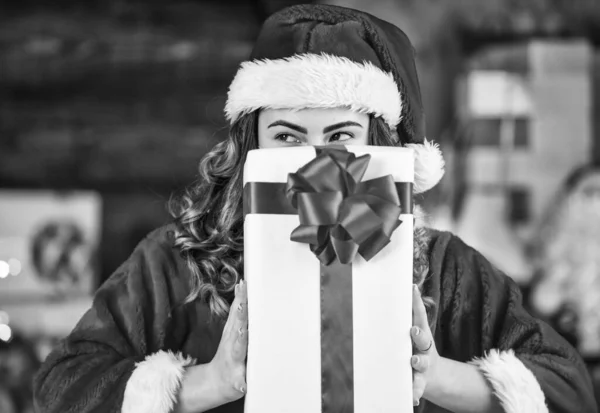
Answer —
340 215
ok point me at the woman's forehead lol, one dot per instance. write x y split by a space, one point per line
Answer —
313 116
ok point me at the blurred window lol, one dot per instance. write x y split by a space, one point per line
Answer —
519 205
486 132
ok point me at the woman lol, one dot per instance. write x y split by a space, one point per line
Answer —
567 286
317 75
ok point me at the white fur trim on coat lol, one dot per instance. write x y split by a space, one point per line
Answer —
155 382
512 382
429 165
314 81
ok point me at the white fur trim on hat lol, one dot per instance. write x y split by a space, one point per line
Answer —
155 382
429 165
314 81
512 382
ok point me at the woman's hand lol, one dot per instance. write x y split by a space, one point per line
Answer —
455 386
223 380
229 363
425 356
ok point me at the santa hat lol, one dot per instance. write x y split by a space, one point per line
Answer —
320 56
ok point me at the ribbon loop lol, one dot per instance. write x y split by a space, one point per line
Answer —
341 216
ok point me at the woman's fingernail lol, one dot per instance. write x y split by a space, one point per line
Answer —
416 402
241 283
241 331
416 331
415 360
242 389
240 307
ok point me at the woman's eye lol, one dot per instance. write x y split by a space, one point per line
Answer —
287 138
340 137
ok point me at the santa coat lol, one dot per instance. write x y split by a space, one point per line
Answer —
129 351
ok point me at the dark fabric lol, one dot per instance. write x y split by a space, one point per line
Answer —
480 308
137 312
355 35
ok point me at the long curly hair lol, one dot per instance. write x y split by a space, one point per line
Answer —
566 259
209 216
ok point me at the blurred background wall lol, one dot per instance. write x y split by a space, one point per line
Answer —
106 107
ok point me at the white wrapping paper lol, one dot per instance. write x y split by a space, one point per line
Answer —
284 350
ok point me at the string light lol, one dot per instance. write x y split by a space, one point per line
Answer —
5 333
4 269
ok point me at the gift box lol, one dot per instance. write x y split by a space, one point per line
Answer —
328 260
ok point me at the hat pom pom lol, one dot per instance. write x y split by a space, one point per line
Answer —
429 165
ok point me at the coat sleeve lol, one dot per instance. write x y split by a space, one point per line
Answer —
529 366
113 360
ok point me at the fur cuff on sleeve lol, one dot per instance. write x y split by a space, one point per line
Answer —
153 385
514 385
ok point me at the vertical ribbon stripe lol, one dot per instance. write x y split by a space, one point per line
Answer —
337 345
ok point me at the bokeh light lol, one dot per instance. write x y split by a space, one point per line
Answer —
5 332
4 269
14 266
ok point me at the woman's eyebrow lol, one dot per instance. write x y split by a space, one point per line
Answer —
340 125
288 125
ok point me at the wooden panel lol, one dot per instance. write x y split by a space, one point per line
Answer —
115 97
